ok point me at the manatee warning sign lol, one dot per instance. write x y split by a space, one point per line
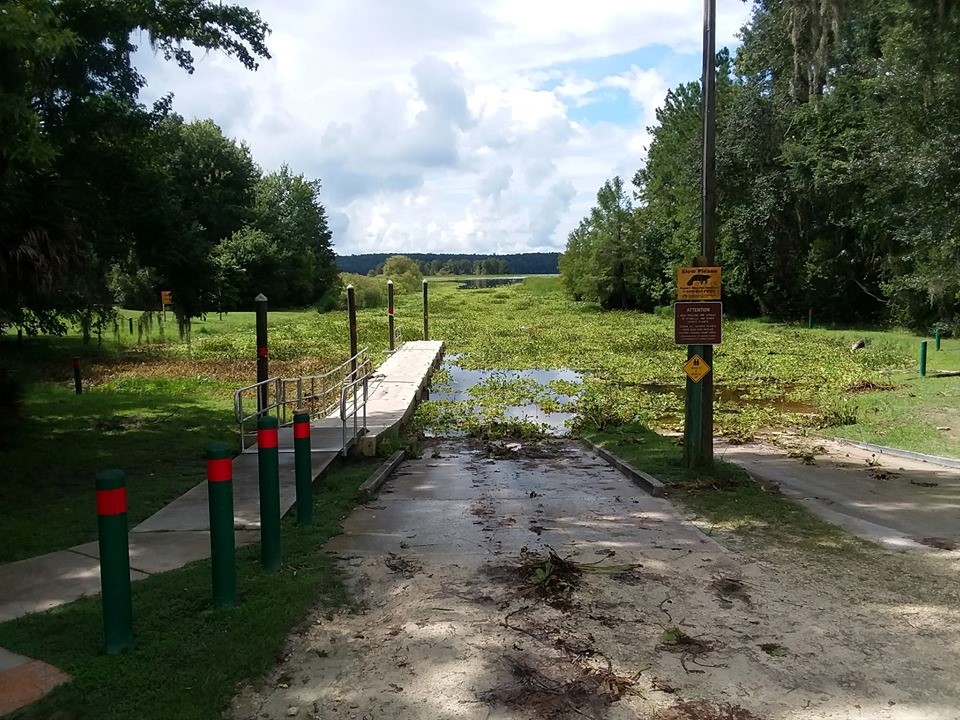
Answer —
698 283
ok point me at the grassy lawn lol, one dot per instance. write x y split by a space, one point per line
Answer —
156 431
201 653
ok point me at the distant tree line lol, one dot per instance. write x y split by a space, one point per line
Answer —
104 200
838 162
446 264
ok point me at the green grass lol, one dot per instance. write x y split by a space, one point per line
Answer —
724 494
188 658
922 414
156 430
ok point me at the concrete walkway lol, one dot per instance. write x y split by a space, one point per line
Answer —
178 534
895 501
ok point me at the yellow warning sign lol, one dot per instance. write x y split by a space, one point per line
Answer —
696 368
698 283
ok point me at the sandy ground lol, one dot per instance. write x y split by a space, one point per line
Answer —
640 615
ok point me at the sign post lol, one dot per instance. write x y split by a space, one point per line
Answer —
700 329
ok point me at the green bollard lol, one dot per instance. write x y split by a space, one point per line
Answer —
77 376
303 463
269 461
114 560
222 549
923 358
936 339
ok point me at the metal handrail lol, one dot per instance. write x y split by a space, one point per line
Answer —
315 393
344 391
262 386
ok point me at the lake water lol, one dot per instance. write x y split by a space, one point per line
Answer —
462 380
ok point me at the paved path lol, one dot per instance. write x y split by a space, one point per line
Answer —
179 533
895 501
663 622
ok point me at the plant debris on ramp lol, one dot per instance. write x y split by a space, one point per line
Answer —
619 609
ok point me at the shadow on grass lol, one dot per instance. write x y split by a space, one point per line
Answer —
188 658
724 494
157 433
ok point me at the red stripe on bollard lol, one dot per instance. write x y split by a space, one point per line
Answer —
111 502
220 470
390 311
262 351
301 430
267 438
76 363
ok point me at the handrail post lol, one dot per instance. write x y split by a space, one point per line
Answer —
352 318
426 331
262 359
390 319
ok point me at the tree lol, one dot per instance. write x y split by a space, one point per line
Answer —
287 208
79 175
404 272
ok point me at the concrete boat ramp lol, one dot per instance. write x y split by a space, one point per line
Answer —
179 533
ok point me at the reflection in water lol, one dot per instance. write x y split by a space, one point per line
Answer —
479 283
461 380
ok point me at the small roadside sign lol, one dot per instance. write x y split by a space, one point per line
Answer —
166 297
698 283
696 368
698 323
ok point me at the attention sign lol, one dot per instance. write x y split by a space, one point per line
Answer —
698 283
698 323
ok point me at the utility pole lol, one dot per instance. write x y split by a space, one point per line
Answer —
698 430
708 224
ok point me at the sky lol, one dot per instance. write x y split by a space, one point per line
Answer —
453 126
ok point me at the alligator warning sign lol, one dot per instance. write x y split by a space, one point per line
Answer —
696 368
698 283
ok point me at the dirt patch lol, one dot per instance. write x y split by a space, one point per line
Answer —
865 386
239 372
703 710
561 689
939 543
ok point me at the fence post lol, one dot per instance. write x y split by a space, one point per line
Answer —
130 324
810 319
352 318
390 311
936 338
269 463
426 329
303 464
923 358
262 353
111 488
77 376
222 549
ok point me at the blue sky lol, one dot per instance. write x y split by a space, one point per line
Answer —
474 126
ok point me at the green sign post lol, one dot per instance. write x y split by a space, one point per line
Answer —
698 418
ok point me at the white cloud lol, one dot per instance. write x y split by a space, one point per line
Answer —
450 126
